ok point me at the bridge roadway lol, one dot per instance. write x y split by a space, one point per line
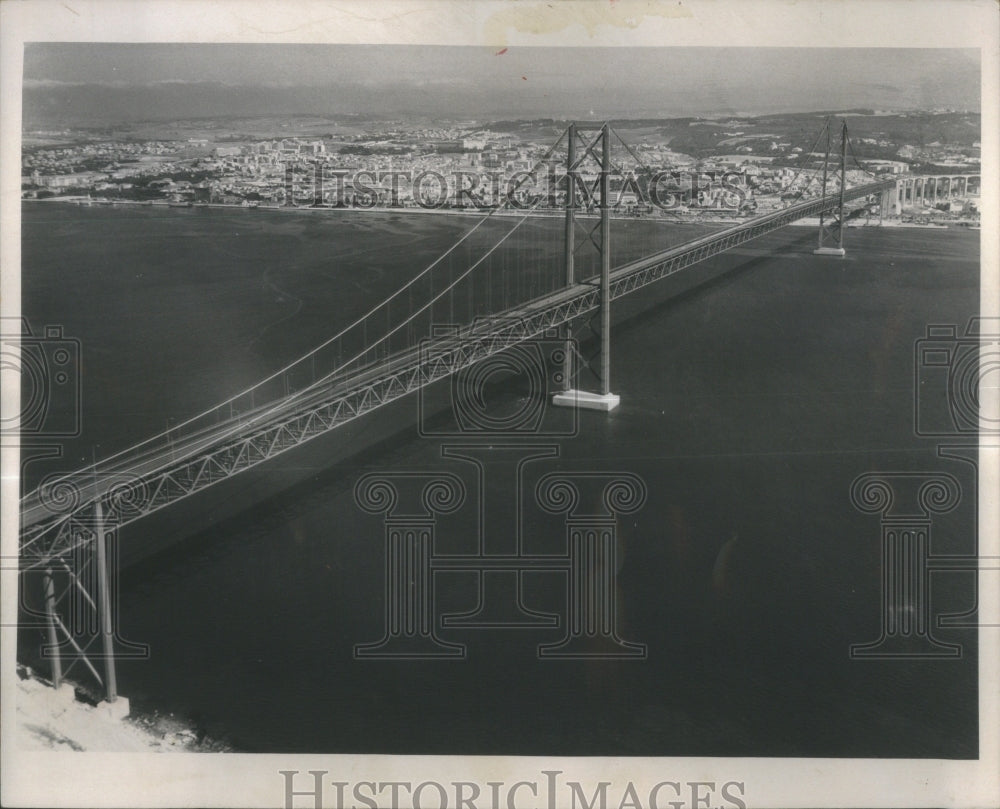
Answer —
139 482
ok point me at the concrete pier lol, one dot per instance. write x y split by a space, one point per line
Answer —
587 400
840 252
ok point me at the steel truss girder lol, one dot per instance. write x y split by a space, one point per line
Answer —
436 360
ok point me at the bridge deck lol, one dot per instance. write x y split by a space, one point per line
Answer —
151 478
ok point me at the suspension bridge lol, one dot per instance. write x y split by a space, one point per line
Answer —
394 349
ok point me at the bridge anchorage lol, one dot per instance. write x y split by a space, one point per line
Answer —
71 525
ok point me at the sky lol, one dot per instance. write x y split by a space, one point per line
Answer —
115 82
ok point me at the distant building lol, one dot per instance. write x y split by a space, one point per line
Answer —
887 166
84 179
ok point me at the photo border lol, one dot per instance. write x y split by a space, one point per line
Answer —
182 779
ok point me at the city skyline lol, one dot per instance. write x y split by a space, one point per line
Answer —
115 82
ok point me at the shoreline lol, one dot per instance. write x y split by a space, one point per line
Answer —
676 219
558 213
63 719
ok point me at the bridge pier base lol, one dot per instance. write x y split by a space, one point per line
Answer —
840 252
586 400
117 710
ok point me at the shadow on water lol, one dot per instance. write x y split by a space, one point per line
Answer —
339 477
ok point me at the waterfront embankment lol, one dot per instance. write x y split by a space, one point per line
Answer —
56 719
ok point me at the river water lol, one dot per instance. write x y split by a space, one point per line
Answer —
749 405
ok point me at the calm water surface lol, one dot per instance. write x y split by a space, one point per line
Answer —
748 407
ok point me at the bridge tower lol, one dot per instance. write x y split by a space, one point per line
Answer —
580 135
836 229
